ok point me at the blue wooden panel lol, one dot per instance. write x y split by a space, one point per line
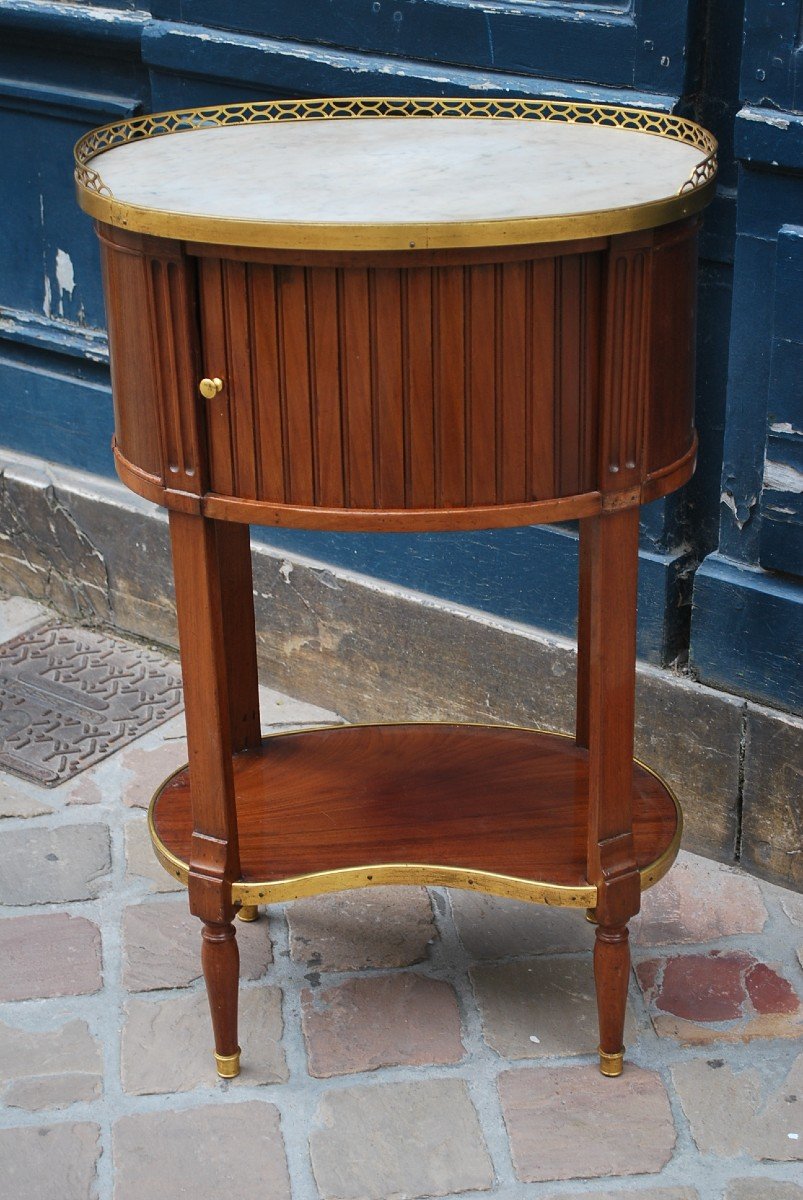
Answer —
766 201
56 406
619 43
712 98
189 62
115 26
716 57
768 137
700 497
782 525
527 575
746 621
772 65
63 70
50 264
746 421
747 629
781 543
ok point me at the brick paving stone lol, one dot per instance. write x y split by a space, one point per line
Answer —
762 1189
730 1115
384 1021
149 768
142 863
573 1123
85 790
49 1068
213 1153
52 866
52 954
50 1162
18 614
719 996
792 904
495 927
699 901
399 1140
167 1044
19 799
538 1007
162 946
51 1093
659 1193
369 927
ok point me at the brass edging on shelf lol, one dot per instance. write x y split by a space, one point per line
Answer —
96 198
348 878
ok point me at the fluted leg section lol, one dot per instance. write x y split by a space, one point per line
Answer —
220 959
611 975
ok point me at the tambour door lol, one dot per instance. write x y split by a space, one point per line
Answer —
438 385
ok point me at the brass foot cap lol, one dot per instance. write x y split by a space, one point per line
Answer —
591 915
612 1064
228 1065
248 912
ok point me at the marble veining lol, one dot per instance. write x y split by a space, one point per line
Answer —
387 170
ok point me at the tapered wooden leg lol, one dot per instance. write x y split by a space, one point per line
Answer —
585 575
605 714
233 551
611 976
220 959
198 565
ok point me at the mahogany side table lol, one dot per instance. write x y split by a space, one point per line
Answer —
403 314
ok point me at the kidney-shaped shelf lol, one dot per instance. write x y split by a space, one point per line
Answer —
499 809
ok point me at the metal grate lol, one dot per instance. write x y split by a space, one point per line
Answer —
70 697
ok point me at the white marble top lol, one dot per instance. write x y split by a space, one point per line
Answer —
390 170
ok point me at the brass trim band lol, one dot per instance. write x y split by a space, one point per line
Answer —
228 1065
96 198
611 1065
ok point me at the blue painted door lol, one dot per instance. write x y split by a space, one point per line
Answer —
781 537
747 625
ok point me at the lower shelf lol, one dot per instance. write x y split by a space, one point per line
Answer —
490 808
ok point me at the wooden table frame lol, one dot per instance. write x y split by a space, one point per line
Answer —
620 388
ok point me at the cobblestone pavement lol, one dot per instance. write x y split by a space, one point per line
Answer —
396 1042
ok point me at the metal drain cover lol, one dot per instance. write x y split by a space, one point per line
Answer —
70 697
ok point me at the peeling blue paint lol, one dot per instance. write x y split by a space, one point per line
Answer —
748 596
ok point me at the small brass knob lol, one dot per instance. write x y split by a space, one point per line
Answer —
209 388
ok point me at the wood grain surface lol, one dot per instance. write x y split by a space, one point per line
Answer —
454 390
507 801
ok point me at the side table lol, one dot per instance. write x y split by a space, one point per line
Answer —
403 314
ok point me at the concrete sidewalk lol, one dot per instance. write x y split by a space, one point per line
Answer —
396 1042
